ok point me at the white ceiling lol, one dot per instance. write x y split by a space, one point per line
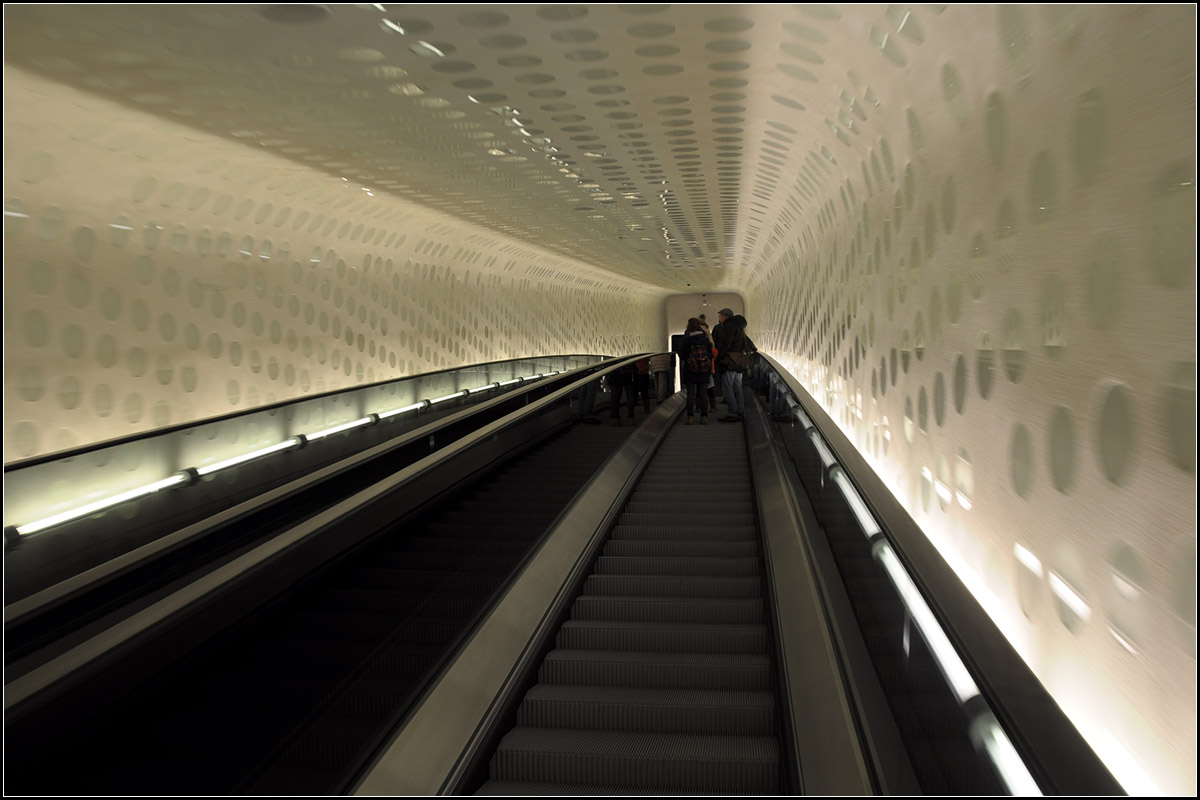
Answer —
642 139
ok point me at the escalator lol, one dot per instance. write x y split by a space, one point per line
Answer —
295 700
661 681
617 611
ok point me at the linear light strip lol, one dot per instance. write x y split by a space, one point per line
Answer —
395 411
869 525
183 477
1007 760
943 652
100 505
233 462
358 423
826 456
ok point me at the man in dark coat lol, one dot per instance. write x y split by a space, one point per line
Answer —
730 337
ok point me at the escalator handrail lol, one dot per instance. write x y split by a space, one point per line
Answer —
1045 738
100 650
38 603
451 727
150 434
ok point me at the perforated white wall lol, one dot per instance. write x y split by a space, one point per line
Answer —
995 300
155 275
969 229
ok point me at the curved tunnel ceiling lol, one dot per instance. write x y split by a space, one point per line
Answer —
643 139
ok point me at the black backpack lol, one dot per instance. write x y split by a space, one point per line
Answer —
699 358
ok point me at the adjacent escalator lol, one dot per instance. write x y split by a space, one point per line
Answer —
295 702
661 682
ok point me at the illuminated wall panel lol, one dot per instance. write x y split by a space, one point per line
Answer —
155 275
995 298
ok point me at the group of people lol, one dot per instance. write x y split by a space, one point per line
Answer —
706 357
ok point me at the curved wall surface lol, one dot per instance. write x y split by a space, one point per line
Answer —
155 275
969 230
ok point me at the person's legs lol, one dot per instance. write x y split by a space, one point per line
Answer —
690 393
587 398
737 404
702 397
727 395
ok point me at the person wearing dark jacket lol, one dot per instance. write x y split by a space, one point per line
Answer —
695 368
730 337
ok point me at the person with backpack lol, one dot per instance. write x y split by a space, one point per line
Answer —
695 360
733 356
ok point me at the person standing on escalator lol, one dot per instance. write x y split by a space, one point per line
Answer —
733 349
695 363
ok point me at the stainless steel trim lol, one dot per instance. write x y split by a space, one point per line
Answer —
430 750
813 688
104 644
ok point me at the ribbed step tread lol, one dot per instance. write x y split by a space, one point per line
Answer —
658 609
734 713
746 671
678 529
726 763
678 565
672 586
719 519
680 547
677 637
535 789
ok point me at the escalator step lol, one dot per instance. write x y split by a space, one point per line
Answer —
534 789
672 586
658 609
677 565
731 713
681 547
717 520
662 637
725 763
742 531
647 502
667 670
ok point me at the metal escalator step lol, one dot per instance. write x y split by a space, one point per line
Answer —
698 489
677 565
718 520
705 505
676 529
675 637
680 547
659 609
729 713
672 586
496 788
726 763
745 671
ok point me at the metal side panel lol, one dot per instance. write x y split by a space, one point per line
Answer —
814 697
429 752
885 753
